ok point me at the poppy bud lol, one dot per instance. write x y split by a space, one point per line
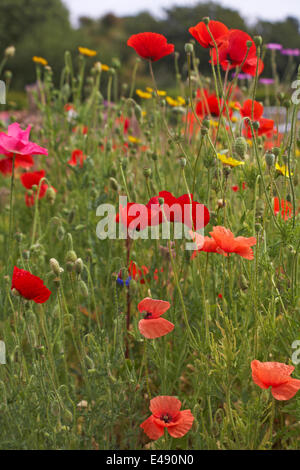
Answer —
147 172
54 265
240 147
50 195
189 48
10 51
276 151
154 157
255 125
206 123
289 198
204 130
270 159
257 41
114 184
78 265
287 104
71 256
182 162
206 20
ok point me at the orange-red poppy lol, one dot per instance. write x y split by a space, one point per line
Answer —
150 46
277 376
201 34
152 326
166 414
227 243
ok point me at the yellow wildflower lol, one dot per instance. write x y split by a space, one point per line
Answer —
171 101
87 52
213 123
134 140
39 60
143 94
149 89
161 92
297 153
104 67
181 100
229 160
283 170
144 113
249 142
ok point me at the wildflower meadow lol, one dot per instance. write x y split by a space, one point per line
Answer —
150 238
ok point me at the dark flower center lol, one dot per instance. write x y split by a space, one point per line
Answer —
147 315
166 418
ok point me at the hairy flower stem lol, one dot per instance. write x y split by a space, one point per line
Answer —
11 209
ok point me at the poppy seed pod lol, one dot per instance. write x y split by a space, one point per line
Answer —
189 48
206 20
240 147
54 265
270 159
78 266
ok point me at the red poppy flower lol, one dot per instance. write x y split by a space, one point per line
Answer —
209 246
265 125
179 210
286 208
133 216
29 286
23 161
136 273
227 243
151 46
210 104
166 414
235 188
277 376
31 179
152 326
232 52
77 158
201 34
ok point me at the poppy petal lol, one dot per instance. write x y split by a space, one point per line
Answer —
152 429
155 328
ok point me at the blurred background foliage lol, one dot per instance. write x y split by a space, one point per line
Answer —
43 28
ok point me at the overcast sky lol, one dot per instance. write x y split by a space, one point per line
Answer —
250 9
